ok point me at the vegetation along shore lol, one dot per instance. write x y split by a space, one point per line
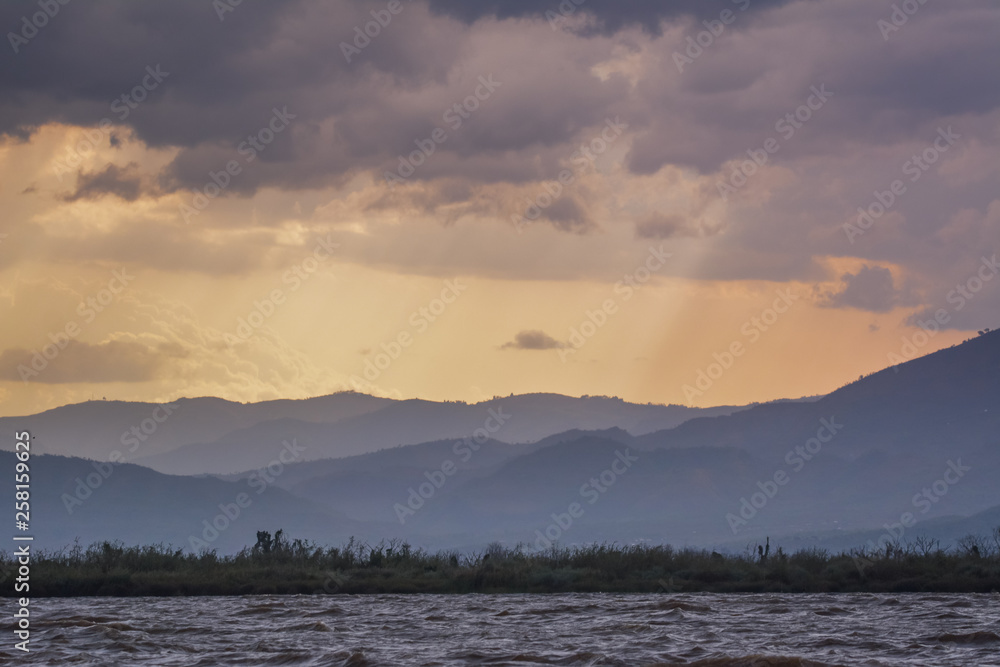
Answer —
276 565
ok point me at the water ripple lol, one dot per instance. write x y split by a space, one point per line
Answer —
589 630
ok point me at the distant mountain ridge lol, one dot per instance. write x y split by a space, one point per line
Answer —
210 435
910 451
96 428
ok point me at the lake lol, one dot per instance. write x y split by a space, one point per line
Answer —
565 629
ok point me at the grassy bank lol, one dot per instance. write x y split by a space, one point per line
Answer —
276 565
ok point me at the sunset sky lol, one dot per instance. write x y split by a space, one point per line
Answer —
260 200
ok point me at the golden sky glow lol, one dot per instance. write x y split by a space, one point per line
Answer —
336 266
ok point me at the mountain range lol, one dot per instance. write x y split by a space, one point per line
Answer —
910 451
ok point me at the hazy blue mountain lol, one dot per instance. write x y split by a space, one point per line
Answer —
71 498
367 487
202 435
948 401
96 428
914 450
526 418
897 433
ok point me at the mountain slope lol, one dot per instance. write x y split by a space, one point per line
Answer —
946 402
71 498
853 460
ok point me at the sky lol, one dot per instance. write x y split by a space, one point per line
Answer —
704 203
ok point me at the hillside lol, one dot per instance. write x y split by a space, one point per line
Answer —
72 499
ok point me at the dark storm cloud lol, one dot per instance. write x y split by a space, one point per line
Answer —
969 300
533 340
729 100
223 78
612 15
124 182
90 54
567 215
872 288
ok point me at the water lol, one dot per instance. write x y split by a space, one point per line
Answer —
578 629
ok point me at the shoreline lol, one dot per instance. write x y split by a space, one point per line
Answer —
276 566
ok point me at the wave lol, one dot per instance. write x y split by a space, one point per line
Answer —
683 606
981 637
758 661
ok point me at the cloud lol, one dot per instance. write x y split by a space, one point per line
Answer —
661 226
533 340
611 15
226 77
728 101
77 361
687 131
567 215
143 347
176 248
123 182
872 288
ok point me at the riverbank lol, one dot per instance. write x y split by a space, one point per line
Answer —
277 566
